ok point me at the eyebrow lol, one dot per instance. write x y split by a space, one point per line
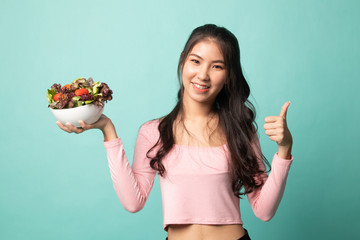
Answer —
216 61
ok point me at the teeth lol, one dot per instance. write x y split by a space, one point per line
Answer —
199 86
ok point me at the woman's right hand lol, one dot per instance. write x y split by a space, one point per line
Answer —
104 124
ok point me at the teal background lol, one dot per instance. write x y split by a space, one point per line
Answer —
55 185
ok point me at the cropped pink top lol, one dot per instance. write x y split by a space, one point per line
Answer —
196 188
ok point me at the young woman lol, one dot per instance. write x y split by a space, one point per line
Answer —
206 150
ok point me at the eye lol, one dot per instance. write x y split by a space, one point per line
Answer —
218 67
195 61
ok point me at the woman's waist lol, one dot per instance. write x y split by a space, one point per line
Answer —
204 231
188 197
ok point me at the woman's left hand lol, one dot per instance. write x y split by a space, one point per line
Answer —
277 130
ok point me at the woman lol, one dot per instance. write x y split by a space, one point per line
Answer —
206 150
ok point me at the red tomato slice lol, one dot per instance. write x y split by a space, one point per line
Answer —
66 86
81 91
57 96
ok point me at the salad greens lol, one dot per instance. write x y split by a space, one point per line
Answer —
80 92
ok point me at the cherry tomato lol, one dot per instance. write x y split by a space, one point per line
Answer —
81 91
66 86
57 96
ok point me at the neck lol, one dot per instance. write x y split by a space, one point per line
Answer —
197 125
195 111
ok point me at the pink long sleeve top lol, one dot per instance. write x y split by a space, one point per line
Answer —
196 188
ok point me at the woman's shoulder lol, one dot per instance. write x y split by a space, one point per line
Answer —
150 128
154 123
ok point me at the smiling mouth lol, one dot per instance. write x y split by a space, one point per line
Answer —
202 87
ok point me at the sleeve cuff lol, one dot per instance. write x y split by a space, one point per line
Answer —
281 161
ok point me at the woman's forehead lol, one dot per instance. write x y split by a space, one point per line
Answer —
207 49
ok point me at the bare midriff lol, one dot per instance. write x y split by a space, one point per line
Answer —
205 232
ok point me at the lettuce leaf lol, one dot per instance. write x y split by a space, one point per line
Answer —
50 95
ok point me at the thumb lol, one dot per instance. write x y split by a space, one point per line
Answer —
284 110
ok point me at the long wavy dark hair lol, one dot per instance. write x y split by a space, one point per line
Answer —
236 113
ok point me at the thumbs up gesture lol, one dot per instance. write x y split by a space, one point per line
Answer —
277 130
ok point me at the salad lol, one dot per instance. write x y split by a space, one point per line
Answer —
80 92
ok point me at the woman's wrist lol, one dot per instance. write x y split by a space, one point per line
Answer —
285 152
109 131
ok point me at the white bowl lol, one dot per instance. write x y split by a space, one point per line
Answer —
88 113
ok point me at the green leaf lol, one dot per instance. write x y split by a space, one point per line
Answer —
80 80
89 89
78 103
50 95
76 98
96 87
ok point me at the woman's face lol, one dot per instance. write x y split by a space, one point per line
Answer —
203 73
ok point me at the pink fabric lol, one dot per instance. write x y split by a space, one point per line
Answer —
196 188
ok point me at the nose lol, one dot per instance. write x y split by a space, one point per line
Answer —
203 73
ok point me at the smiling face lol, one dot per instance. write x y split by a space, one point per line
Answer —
203 73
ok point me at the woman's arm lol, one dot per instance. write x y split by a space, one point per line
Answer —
132 184
265 200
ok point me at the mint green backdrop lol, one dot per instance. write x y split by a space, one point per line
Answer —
55 185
